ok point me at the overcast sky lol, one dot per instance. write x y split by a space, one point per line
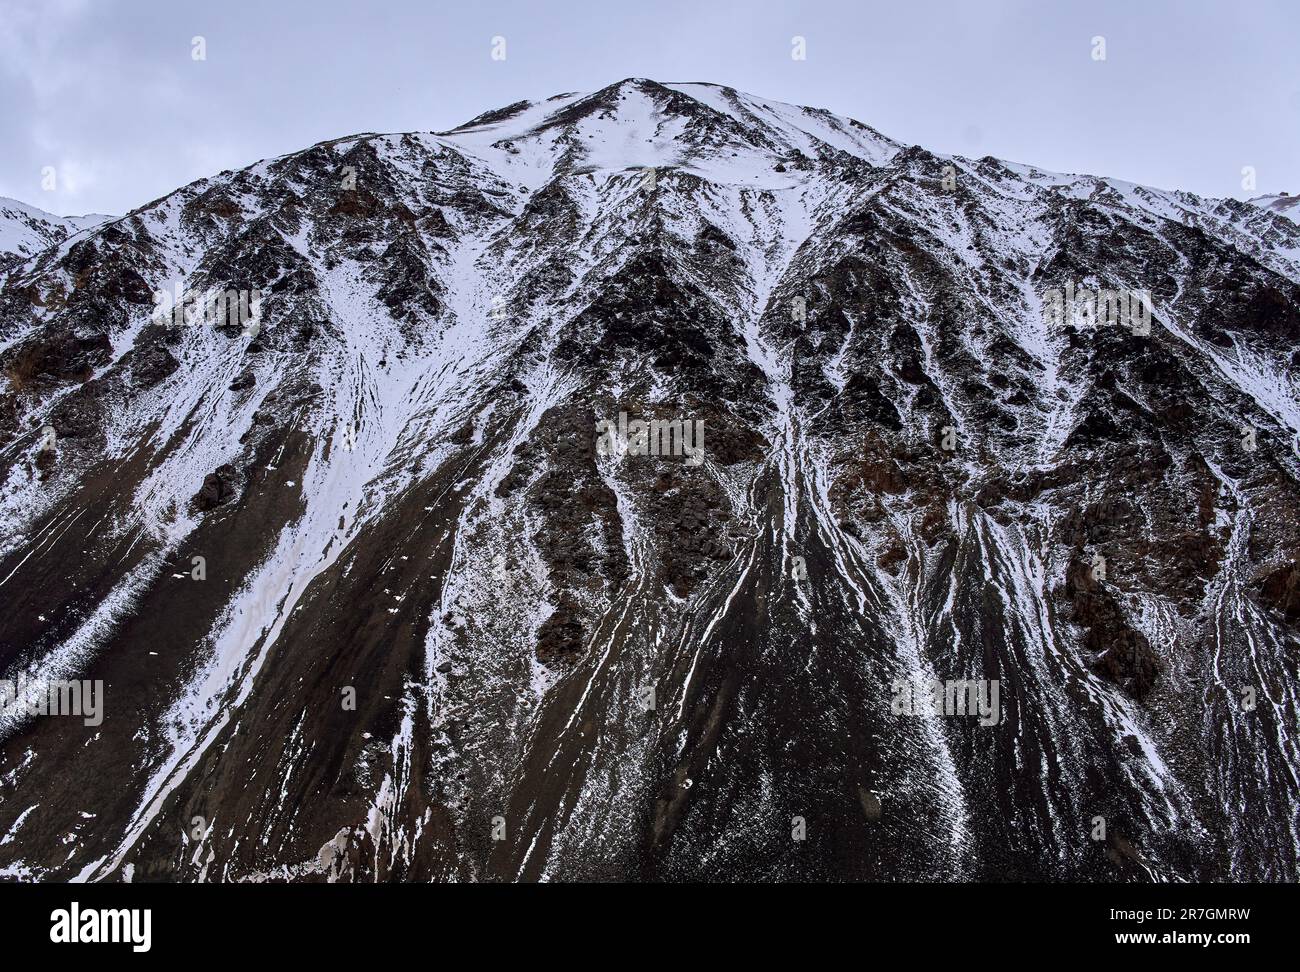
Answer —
109 94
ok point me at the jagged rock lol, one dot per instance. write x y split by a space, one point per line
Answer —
219 487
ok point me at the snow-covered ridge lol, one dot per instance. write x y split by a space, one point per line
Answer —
26 230
1285 203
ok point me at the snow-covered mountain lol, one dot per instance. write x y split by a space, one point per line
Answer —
377 590
26 230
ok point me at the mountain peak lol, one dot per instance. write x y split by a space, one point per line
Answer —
711 129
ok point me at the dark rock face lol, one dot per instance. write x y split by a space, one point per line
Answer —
218 487
152 365
375 592
60 356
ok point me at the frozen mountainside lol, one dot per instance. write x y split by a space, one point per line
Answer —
371 599
26 230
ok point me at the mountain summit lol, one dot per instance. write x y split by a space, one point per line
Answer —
662 483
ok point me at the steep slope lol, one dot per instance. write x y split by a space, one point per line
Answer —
372 599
